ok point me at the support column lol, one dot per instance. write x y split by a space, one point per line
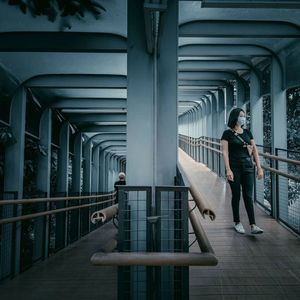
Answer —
95 170
256 108
13 182
279 138
43 185
63 159
101 170
87 167
76 173
62 185
229 100
140 97
221 114
215 116
240 95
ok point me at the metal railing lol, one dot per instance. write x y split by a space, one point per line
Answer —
143 257
33 229
278 193
153 242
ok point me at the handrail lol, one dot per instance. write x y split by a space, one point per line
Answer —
295 178
50 212
104 214
54 199
274 157
205 258
268 155
199 199
213 149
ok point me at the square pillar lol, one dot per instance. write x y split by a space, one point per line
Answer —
43 185
13 182
76 172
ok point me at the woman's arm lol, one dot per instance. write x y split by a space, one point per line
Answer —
260 172
229 173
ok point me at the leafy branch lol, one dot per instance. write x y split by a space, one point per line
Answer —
6 136
64 8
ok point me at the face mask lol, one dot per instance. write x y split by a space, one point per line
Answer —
241 121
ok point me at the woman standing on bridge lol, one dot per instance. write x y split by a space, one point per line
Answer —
238 146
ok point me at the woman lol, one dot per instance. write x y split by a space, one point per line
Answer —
237 143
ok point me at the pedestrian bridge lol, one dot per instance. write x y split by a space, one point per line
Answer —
92 88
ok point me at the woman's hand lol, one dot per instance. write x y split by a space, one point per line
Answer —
260 173
229 175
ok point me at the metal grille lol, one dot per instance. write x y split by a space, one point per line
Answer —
7 234
263 188
159 225
32 233
172 236
24 242
134 208
288 191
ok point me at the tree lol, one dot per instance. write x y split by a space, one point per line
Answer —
53 8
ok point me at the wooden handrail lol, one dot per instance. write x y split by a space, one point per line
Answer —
54 199
200 200
292 177
50 212
268 155
205 258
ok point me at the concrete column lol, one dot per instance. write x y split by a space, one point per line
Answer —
152 100
95 170
63 159
209 121
62 184
76 173
229 100
215 116
279 136
256 108
101 170
240 99
13 182
167 143
140 100
221 114
87 167
43 184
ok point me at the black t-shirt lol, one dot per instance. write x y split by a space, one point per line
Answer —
236 150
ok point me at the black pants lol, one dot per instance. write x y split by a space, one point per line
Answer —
243 173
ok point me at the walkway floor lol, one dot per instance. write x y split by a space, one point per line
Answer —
68 274
258 267
250 267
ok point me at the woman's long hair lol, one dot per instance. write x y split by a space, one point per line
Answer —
233 117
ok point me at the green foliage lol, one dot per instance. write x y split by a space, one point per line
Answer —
53 8
6 136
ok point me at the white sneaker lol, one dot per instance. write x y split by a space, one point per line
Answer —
239 228
256 230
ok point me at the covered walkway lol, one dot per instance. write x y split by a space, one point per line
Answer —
249 267
93 88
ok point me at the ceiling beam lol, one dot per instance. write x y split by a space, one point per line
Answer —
84 42
89 103
239 29
77 81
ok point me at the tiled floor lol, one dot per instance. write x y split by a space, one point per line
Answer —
265 266
68 275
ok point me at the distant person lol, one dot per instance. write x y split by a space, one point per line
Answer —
238 146
121 181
